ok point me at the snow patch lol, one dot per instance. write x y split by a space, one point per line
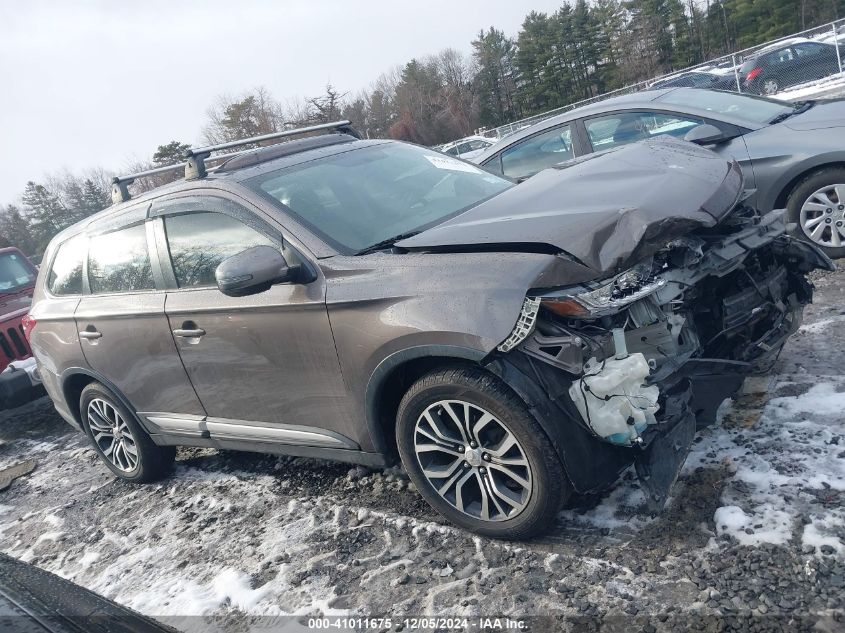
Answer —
784 467
818 326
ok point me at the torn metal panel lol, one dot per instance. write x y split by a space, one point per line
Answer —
660 461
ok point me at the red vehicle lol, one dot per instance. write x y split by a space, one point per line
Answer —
17 279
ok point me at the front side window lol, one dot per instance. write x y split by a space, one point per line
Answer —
361 197
120 262
198 242
15 272
538 152
622 128
65 276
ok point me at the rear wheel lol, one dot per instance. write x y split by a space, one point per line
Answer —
817 206
478 456
119 439
770 86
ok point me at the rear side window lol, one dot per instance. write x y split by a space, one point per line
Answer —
65 276
198 242
120 262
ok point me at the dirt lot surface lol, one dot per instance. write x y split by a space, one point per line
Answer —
753 538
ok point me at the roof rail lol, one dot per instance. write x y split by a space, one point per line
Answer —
194 164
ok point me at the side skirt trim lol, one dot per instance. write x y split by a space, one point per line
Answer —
194 426
372 460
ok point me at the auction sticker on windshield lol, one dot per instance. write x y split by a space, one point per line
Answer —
442 162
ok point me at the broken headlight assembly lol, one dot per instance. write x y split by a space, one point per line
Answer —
605 297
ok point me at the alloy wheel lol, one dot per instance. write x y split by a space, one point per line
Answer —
112 435
770 87
823 216
472 460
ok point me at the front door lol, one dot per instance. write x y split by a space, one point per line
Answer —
123 331
264 366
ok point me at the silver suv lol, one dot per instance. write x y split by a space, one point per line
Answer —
359 300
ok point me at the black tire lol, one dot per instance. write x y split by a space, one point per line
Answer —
549 485
802 192
153 462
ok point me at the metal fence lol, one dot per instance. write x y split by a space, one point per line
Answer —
809 64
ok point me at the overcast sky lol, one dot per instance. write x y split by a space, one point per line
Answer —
102 83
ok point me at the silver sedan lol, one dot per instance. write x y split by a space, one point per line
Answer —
793 154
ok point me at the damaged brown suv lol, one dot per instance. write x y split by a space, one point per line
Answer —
356 300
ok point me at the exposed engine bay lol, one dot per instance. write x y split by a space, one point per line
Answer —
642 359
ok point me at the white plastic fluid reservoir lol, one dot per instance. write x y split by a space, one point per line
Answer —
613 398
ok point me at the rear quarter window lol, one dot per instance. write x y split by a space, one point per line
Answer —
120 262
65 277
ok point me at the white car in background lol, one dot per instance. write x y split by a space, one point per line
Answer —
466 148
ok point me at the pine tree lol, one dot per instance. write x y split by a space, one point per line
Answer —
45 214
170 153
14 231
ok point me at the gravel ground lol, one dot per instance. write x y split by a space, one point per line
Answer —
753 538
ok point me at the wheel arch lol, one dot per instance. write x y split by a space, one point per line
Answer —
780 200
392 378
75 379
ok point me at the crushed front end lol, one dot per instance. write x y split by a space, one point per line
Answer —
636 362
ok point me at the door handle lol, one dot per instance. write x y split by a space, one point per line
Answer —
90 334
189 333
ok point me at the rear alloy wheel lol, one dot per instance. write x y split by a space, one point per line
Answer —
478 456
771 87
120 441
817 205
112 435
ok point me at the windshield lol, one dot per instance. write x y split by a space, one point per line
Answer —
15 272
362 197
751 108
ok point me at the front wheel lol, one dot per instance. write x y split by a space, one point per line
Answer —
817 206
478 456
119 439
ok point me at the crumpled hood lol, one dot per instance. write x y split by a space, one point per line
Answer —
825 114
604 211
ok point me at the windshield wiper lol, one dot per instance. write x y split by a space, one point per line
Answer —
801 107
390 241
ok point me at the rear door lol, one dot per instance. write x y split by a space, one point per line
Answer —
120 319
264 366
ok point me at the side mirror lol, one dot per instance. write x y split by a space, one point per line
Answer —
705 134
252 271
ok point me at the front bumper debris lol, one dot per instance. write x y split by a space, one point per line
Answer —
723 304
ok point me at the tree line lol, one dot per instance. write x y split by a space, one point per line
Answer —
579 51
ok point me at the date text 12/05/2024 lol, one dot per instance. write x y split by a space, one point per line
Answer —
417 623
